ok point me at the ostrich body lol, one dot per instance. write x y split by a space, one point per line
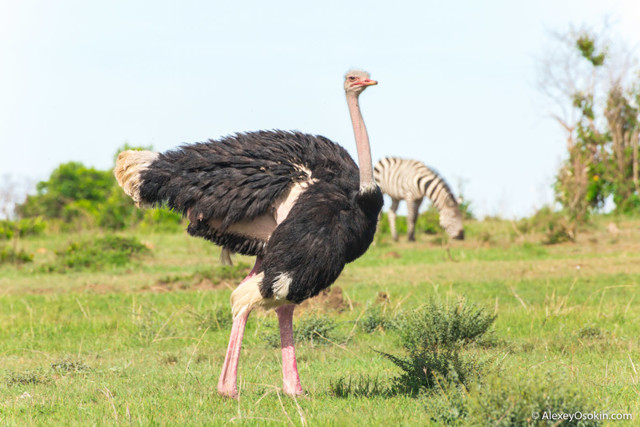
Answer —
297 202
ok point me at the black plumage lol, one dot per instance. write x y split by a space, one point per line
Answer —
239 177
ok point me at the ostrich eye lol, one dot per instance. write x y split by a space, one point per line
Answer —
351 78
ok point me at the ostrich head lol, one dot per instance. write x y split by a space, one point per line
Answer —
355 81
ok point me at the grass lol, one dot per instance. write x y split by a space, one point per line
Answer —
143 342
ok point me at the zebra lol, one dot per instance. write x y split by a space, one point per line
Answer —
411 180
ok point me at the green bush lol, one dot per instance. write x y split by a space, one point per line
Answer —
375 320
427 368
9 255
433 338
428 222
69 365
437 325
553 224
26 378
119 211
384 228
97 254
7 229
161 219
21 228
465 209
68 183
80 197
360 386
506 401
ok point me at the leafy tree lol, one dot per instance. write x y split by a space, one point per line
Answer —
68 184
87 197
597 107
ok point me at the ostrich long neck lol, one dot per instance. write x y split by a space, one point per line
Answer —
362 141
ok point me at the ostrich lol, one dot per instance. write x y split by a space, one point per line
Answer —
297 202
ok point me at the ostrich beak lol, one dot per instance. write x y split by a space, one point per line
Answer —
369 83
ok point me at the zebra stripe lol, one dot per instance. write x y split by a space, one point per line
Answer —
412 180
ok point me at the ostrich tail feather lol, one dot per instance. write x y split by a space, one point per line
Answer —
129 167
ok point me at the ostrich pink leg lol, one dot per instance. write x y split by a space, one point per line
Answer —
291 379
227 384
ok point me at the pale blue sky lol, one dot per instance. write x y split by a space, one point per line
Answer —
457 80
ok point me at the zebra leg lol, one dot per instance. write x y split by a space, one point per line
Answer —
412 218
392 218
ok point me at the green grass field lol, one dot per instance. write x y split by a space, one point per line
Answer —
144 343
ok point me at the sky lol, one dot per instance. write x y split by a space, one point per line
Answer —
457 82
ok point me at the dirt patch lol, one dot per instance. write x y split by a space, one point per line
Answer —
329 299
99 288
38 291
392 254
188 284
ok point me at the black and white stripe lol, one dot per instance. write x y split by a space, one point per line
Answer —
411 180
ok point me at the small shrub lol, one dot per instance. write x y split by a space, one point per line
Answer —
26 378
433 338
505 401
119 211
465 209
21 228
589 332
7 230
170 359
314 330
161 219
9 255
97 254
553 224
375 320
423 370
436 325
31 226
385 228
559 232
448 405
486 237
69 365
428 222
360 386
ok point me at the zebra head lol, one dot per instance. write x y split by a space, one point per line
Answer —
451 221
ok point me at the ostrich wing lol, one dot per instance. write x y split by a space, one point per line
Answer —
237 178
